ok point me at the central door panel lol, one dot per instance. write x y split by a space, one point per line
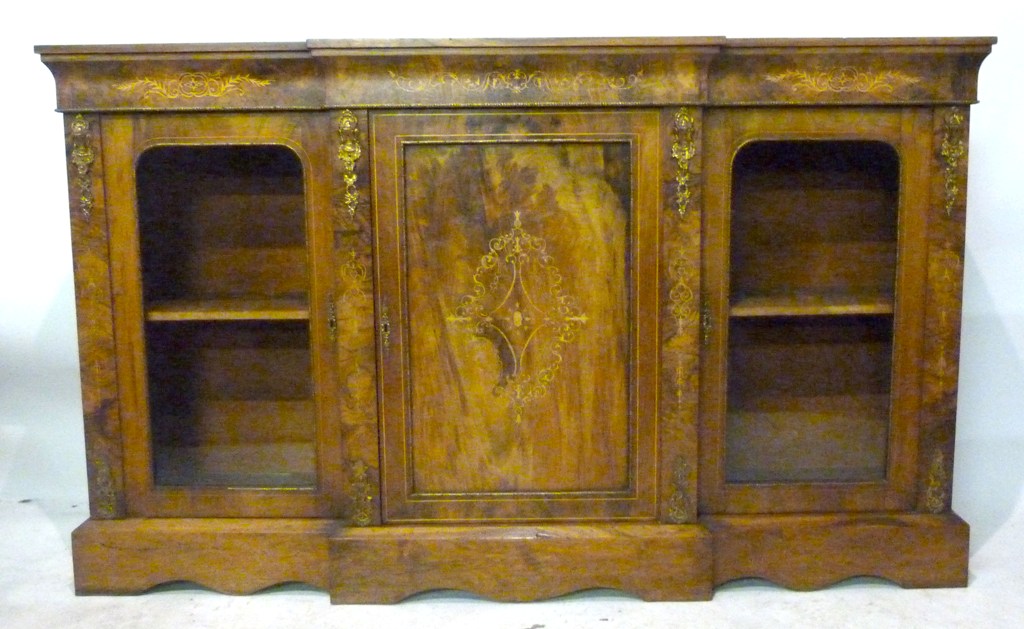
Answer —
512 385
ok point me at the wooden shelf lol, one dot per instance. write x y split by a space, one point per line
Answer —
808 438
230 309
808 305
255 465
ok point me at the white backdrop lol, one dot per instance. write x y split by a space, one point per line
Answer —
37 331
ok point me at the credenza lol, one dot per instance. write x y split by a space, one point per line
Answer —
518 317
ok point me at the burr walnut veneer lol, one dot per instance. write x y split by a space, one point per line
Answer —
518 317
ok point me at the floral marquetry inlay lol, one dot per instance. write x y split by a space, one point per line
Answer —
519 300
192 85
844 79
518 81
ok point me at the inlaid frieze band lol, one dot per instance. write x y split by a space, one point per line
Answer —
518 81
188 85
843 80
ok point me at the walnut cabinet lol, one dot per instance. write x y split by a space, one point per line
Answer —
518 318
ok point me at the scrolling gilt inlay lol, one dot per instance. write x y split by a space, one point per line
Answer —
192 85
354 276
681 296
683 304
684 148
518 81
844 79
82 158
501 307
953 151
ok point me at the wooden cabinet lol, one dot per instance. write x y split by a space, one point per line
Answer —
518 317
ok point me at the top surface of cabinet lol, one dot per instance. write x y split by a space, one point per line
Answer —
323 74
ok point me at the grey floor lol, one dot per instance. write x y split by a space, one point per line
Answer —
42 498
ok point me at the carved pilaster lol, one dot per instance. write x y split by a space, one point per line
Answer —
93 296
681 341
942 308
354 338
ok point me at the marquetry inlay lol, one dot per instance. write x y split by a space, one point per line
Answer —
844 79
191 85
502 304
518 81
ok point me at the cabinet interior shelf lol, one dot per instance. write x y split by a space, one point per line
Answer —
250 465
811 304
230 309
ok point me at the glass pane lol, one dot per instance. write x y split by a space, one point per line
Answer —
813 261
814 220
222 222
231 404
808 399
224 274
